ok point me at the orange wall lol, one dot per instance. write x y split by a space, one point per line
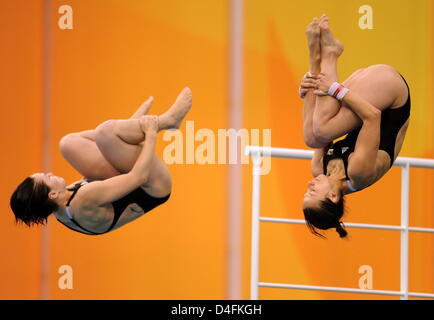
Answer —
21 132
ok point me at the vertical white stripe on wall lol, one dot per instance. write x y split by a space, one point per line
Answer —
234 258
46 143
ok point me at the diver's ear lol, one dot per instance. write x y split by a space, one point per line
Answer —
52 195
333 196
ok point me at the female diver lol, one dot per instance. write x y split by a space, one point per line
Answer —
372 107
123 178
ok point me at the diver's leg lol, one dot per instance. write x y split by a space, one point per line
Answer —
313 41
120 140
81 152
380 85
327 107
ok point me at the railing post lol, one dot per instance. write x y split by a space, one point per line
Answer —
256 202
405 195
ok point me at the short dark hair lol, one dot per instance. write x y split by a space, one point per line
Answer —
31 204
327 216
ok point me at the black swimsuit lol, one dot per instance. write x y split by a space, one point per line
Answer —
138 196
392 121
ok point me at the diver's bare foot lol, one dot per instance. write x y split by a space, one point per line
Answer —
173 117
143 109
313 33
329 45
147 105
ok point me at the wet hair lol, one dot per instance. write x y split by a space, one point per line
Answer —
30 203
327 216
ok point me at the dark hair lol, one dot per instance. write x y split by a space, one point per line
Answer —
30 202
327 216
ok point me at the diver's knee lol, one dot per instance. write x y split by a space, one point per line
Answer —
322 137
67 142
313 142
105 129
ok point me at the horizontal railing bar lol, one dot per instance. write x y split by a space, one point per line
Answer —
420 295
307 154
279 152
333 289
349 225
346 290
426 230
415 162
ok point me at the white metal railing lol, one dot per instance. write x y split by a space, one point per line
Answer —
257 152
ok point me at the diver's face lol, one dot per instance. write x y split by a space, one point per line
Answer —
317 190
55 183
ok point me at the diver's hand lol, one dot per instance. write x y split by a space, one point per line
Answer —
308 82
323 83
149 124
